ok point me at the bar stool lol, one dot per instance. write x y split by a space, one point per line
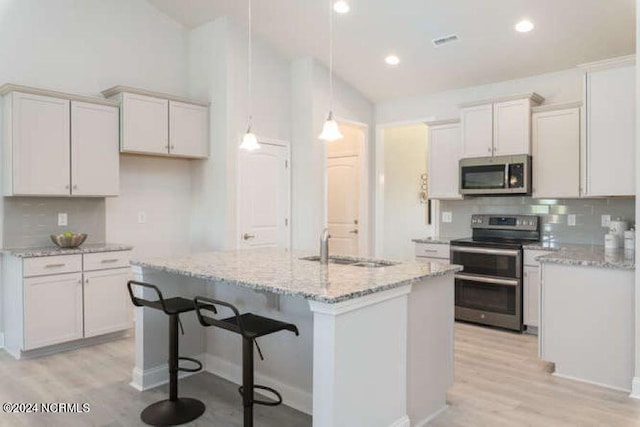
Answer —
175 410
250 327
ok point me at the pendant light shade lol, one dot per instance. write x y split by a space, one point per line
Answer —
330 130
249 140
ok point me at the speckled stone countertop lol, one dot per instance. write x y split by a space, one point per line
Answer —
284 273
54 250
434 240
591 256
545 246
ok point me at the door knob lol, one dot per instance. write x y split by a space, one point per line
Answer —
248 236
354 231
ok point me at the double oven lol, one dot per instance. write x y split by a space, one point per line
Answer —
489 289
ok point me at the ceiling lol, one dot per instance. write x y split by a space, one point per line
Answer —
567 33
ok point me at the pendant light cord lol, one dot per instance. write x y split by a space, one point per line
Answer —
250 62
330 56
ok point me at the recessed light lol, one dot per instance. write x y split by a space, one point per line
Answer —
392 60
524 26
341 7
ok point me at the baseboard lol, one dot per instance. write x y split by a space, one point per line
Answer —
402 422
156 376
294 397
635 388
430 418
610 387
71 345
1 340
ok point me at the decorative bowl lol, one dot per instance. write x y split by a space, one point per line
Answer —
67 241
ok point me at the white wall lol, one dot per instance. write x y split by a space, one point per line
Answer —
310 104
218 71
636 380
404 217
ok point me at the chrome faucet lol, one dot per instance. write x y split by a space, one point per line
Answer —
324 247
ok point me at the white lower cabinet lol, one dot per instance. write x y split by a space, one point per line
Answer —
107 307
52 310
432 252
531 299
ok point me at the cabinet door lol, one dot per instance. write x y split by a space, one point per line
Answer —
40 146
556 154
94 149
52 310
477 131
145 124
107 306
610 159
512 127
188 130
531 300
445 150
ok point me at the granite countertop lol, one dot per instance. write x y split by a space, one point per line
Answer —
591 256
282 272
54 250
434 240
545 246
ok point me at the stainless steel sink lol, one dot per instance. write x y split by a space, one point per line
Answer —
352 262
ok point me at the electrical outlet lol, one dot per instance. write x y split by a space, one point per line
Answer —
605 220
571 220
447 217
142 217
62 219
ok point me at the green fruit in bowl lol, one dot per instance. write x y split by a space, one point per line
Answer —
68 234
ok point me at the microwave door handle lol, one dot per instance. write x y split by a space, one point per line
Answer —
506 175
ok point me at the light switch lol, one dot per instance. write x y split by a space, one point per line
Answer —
142 217
447 216
571 220
62 219
605 220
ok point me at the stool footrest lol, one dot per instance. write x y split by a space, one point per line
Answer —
189 359
278 399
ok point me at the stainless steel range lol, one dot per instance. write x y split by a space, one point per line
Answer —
489 290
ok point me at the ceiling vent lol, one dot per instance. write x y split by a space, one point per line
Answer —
444 40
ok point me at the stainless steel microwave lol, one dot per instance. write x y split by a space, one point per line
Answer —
499 175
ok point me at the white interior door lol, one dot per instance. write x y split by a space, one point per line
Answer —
343 201
263 197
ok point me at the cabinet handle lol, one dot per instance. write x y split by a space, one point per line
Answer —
489 149
86 280
54 265
173 146
105 261
431 251
66 187
75 187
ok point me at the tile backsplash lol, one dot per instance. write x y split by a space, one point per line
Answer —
552 212
28 221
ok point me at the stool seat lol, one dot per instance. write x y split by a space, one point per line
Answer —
254 326
176 305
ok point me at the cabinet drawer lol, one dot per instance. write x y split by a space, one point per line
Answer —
105 260
530 257
57 264
435 260
432 250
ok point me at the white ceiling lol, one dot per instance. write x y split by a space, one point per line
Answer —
567 33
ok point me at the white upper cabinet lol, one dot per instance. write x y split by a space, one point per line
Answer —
145 124
609 157
188 130
556 152
501 127
58 144
36 145
477 131
445 150
512 127
95 160
161 125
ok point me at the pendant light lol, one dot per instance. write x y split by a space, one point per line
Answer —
330 130
249 140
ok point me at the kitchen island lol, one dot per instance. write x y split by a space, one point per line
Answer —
375 345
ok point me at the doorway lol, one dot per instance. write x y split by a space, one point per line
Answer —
346 192
264 194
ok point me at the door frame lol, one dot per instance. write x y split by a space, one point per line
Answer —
378 190
365 240
278 143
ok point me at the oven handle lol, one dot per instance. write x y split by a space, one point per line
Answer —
491 280
487 251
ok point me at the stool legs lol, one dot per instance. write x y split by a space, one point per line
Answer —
174 411
247 381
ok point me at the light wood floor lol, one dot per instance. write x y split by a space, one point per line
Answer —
498 382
